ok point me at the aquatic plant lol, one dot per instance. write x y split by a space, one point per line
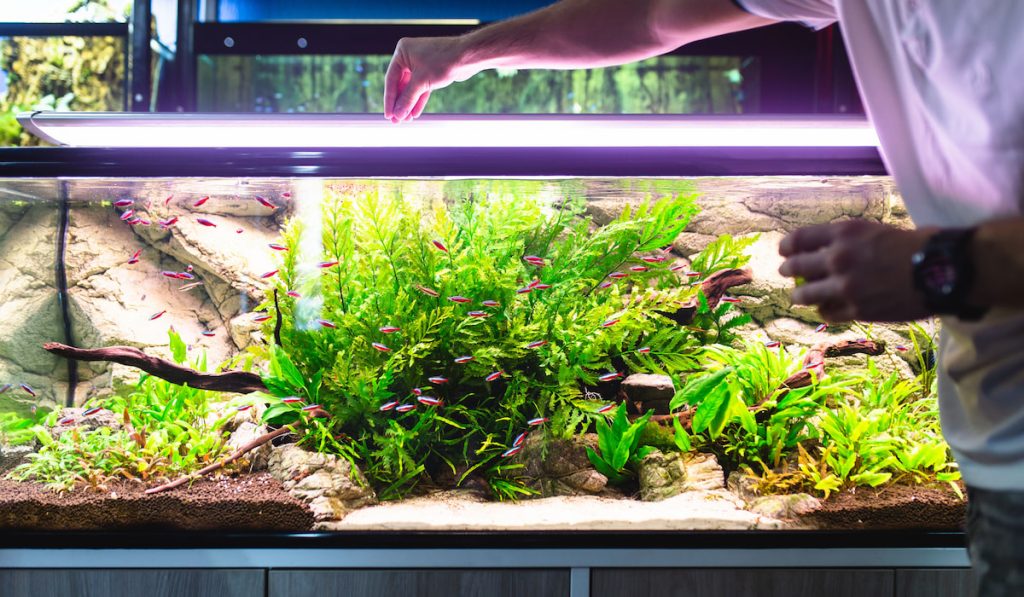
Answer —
619 445
18 430
432 331
165 432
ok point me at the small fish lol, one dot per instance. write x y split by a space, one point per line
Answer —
463 359
124 202
188 287
243 408
536 344
512 451
534 283
604 285
326 264
493 376
644 349
607 408
478 314
417 392
388 406
380 347
269 274
186 276
133 221
490 303
326 323
128 213
144 222
206 222
277 247
638 268
286 194
429 400
617 275
692 274
609 322
4 388
428 291
537 421
814 364
460 299
542 286
388 329
310 407
28 389
821 327
169 222
293 294
772 344
653 258
188 268
200 202
404 408
437 380
208 333
731 299
167 201
261 318
677 268
239 231
265 202
291 400
901 348
167 274
91 411
156 315
524 290
135 257
518 441
534 260
440 245
610 376
66 421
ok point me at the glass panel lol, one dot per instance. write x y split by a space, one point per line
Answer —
460 342
664 85
263 10
58 73
58 11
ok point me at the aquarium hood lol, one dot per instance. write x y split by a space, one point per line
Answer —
319 131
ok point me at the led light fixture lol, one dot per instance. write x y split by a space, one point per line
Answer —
317 131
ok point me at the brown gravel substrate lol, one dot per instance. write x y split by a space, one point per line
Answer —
250 502
892 507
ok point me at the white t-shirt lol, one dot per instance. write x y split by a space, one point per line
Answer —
943 83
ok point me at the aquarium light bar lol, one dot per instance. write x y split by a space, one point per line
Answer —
317 131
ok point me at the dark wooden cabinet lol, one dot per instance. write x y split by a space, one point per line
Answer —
741 582
132 583
932 582
419 583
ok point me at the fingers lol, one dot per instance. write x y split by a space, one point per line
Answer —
393 85
810 266
804 240
819 292
420 105
409 98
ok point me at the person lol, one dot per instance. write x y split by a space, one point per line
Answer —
941 82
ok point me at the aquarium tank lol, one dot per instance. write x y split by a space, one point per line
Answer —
464 324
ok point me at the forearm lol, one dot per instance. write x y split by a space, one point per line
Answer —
998 254
594 33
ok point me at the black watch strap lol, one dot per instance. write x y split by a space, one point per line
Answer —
944 273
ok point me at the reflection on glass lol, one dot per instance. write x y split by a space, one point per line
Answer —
664 85
58 73
57 11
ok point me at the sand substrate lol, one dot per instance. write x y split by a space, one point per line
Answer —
251 502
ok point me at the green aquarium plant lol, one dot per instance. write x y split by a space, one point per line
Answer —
618 445
433 331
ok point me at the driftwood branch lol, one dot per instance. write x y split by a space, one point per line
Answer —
713 287
259 441
225 381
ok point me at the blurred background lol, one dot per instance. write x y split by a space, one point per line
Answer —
331 55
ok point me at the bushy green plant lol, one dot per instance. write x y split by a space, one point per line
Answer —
618 445
166 433
19 430
399 259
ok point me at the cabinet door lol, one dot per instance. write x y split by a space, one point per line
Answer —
740 582
421 583
131 583
926 582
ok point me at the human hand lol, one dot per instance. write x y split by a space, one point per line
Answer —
419 66
855 269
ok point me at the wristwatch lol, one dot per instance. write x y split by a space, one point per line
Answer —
944 273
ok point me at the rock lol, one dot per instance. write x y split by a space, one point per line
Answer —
245 433
560 467
743 485
791 506
689 244
665 475
13 456
328 484
103 418
645 391
770 291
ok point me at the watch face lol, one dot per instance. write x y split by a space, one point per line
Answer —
939 275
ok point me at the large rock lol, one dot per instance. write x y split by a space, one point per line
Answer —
560 467
665 475
646 391
328 484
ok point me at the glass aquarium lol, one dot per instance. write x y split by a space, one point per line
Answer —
375 333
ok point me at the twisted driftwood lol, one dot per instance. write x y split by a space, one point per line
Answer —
714 287
225 381
814 361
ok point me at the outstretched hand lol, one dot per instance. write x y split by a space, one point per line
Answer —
855 269
419 66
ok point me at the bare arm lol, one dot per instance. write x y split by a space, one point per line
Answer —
567 35
998 254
